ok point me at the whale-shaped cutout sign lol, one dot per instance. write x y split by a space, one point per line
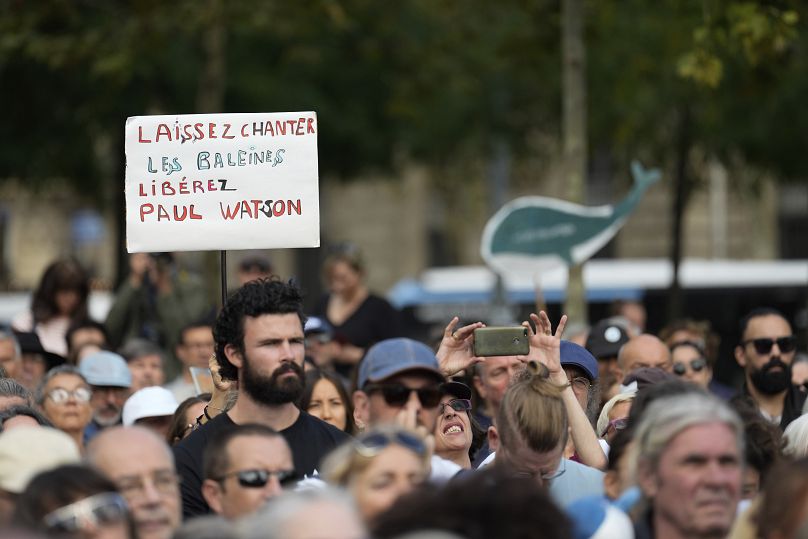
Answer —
536 233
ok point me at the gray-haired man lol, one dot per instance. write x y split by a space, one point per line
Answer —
689 467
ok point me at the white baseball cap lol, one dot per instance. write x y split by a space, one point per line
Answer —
152 401
27 451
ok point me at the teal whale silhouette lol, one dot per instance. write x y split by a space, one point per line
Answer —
530 233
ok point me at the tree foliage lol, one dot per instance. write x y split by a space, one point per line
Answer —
433 80
737 67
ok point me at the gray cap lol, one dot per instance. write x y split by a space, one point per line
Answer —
105 369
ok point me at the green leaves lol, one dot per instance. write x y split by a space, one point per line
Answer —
756 32
440 82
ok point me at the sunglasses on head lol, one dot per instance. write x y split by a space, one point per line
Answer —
696 365
399 394
98 510
765 344
372 444
259 478
458 405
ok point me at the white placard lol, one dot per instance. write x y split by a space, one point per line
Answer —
222 181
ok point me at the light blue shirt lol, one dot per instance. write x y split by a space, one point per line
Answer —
577 481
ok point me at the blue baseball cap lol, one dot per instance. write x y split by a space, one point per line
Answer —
575 355
395 356
105 369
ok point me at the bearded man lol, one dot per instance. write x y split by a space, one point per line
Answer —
260 343
766 352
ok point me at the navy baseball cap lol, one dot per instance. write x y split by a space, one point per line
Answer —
575 355
395 356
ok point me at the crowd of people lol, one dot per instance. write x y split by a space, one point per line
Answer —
172 420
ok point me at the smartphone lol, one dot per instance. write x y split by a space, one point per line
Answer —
203 380
508 341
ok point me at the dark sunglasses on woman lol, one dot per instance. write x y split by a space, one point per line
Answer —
458 405
696 365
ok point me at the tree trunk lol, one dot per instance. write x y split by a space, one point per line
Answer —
681 195
574 133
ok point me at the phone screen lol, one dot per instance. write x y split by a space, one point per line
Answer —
203 380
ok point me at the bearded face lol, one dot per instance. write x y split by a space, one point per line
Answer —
766 352
284 385
772 378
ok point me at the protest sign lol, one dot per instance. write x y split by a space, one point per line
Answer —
222 181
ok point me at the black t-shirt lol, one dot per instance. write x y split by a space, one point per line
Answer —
374 320
309 438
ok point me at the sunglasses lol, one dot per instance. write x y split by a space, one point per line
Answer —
458 405
399 394
98 510
765 345
60 394
372 444
696 365
259 478
617 424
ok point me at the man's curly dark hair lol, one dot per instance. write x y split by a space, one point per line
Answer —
264 296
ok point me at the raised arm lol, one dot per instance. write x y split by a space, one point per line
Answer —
545 347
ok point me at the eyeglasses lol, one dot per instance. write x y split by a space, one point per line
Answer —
98 510
458 405
372 444
580 383
259 478
546 476
765 345
399 394
134 487
617 424
199 345
696 365
59 395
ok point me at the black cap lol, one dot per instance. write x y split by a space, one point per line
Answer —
458 390
30 344
647 376
606 338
